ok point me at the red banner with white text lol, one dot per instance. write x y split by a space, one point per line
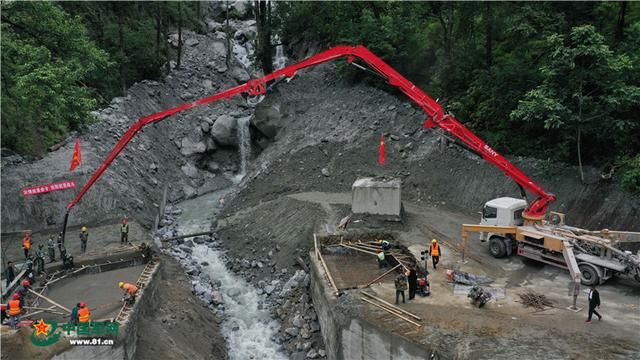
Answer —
43 189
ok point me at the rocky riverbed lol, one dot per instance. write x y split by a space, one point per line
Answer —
265 310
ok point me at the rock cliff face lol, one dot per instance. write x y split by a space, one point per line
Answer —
190 152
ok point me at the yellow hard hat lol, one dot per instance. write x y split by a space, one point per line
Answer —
434 240
120 284
84 228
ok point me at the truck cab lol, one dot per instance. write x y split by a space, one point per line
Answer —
504 211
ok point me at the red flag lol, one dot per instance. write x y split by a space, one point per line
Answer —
381 156
75 160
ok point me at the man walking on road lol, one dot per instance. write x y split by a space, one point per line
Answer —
124 232
84 236
435 252
594 301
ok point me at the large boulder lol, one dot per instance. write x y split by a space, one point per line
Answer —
268 119
224 130
190 170
218 50
240 74
242 8
189 147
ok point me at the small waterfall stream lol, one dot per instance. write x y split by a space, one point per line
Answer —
244 143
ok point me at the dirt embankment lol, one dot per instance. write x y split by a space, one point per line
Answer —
179 325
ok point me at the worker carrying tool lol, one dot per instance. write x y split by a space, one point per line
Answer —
51 246
435 252
130 291
39 261
15 309
382 260
26 243
84 236
84 314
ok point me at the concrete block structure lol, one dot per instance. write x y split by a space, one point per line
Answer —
377 196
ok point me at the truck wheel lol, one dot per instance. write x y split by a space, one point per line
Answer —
497 247
589 274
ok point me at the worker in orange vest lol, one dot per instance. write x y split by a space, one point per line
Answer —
130 291
435 252
84 315
15 310
26 243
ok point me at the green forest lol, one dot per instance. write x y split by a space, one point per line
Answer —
554 80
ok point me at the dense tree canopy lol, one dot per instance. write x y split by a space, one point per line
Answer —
61 60
554 80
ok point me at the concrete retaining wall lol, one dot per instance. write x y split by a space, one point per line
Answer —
346 336
125 344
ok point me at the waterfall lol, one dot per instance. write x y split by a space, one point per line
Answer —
244 144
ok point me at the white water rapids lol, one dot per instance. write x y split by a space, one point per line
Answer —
254 327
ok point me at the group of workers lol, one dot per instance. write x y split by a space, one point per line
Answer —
434 251
79 314
67 259
408 280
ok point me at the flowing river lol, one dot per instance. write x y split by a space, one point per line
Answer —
246 328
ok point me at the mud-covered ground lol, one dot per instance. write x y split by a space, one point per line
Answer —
179 325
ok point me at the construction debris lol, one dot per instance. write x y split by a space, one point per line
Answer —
538 301
465 278
392 309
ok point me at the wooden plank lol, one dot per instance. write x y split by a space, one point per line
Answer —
381 276
391 312
315 245
399 262
392 306
326 269
50 301
358 249
364 246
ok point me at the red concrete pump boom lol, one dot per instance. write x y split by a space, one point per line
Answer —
435 117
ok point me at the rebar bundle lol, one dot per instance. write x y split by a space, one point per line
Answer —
538 301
